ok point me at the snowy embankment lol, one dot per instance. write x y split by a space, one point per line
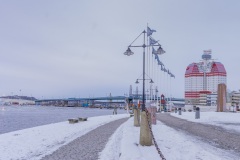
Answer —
36 142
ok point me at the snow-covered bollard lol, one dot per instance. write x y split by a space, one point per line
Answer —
197 113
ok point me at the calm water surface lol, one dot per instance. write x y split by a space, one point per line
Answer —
14 118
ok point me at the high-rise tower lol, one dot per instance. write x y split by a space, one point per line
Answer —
202 79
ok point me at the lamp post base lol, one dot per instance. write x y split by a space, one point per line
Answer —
145 134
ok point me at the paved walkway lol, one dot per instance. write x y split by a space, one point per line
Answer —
88 146
216 136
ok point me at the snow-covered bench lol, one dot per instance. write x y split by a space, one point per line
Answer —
73 120
82 118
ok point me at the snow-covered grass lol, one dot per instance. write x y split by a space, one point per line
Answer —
227 120
34 143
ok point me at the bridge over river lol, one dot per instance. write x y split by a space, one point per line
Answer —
91 101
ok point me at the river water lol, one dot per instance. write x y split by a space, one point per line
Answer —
14 118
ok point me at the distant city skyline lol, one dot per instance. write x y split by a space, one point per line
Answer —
62 49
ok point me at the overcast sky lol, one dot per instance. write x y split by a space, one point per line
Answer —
62 49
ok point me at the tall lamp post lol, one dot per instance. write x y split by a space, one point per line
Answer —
129 53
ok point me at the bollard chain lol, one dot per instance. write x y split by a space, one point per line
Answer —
154 141
138 118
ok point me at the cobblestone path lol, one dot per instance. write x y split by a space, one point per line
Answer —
215 135
87 146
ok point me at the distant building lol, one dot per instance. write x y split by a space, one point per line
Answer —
235 98
17 100
202 79
212 99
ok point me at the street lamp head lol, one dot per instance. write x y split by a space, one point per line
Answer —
137 81
128 52
160 50
151 81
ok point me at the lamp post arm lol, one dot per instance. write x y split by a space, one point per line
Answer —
144 45
136 38
153 45
145 79
135 46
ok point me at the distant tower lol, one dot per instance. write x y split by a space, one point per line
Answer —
156 92
110 96
130 90
202 79
110 99
137 91
206 57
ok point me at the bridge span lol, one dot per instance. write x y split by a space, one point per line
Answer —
85 102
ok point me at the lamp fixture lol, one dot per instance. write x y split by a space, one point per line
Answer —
128 52
137 81
151 81
160 50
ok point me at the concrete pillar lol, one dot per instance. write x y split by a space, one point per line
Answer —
145 134
136 117
221 99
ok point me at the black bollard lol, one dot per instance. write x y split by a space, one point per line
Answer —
179 111
197 113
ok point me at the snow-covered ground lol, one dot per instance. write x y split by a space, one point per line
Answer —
174 145
227 120
34 143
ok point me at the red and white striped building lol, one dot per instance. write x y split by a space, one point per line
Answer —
202 79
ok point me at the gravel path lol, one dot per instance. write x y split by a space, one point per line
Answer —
216 136
87 146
